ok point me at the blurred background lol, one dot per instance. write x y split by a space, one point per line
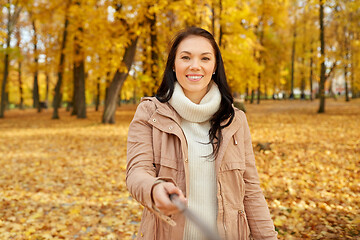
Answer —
85 62
73 52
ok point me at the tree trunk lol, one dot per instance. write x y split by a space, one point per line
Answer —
97 101
134 96
352 79
6 73
252 96
80 96
221 27
322 57
118 101
21 104
75 91
79 105
47 78
266 92
258 89
311 71
213 18
347 99
10 25
293 62
58 94
346 62
154 52
6 68
47 87
117 82
107 79
260 34
36 97
302 95
331 92
247 92
79 72
303 84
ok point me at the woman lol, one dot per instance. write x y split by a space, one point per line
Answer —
190 140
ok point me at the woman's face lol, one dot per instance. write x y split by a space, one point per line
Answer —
194 65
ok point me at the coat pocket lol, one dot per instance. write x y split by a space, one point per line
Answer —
243 226
166 162
232 184
165 167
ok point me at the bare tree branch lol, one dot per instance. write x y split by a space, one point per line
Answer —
333 67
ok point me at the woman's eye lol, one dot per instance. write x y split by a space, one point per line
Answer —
206 59
185 57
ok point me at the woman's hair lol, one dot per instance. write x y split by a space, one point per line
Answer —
166 89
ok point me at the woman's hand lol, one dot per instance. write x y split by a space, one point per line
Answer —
162 200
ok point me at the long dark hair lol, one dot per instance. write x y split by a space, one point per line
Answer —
166 89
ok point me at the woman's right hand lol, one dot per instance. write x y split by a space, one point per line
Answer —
161 193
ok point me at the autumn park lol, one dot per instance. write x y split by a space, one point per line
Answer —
73 71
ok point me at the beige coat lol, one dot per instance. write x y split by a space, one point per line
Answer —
157 149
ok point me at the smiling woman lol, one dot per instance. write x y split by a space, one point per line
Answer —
194 66
189 140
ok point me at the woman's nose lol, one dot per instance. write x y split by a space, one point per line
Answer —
195 65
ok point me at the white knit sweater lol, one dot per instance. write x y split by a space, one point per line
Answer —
195 124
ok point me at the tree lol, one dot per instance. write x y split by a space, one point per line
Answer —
132 29
18 37
12 17
79 104
255 38
36 95
322 61
346 62
260 31
58 94
118 81
293 52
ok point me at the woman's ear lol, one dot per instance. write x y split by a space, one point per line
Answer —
215 68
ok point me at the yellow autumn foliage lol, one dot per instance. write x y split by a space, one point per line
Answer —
65 179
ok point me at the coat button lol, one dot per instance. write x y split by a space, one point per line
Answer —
186 160
171 127
142 234
154 120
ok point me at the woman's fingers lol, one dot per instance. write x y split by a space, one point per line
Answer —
180 194
162 200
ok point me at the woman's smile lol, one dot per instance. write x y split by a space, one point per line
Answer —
194 77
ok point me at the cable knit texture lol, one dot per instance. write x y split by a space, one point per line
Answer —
195 124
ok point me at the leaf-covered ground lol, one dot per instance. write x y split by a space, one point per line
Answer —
65 179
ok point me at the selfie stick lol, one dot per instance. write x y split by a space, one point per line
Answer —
208 232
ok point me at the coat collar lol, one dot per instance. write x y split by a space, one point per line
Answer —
164 109
167 111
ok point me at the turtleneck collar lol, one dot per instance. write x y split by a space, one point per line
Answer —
193 112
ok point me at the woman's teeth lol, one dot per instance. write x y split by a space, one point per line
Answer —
195 77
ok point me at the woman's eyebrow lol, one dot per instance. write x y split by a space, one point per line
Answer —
201 53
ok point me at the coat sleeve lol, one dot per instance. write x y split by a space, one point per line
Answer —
257 212
140 171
